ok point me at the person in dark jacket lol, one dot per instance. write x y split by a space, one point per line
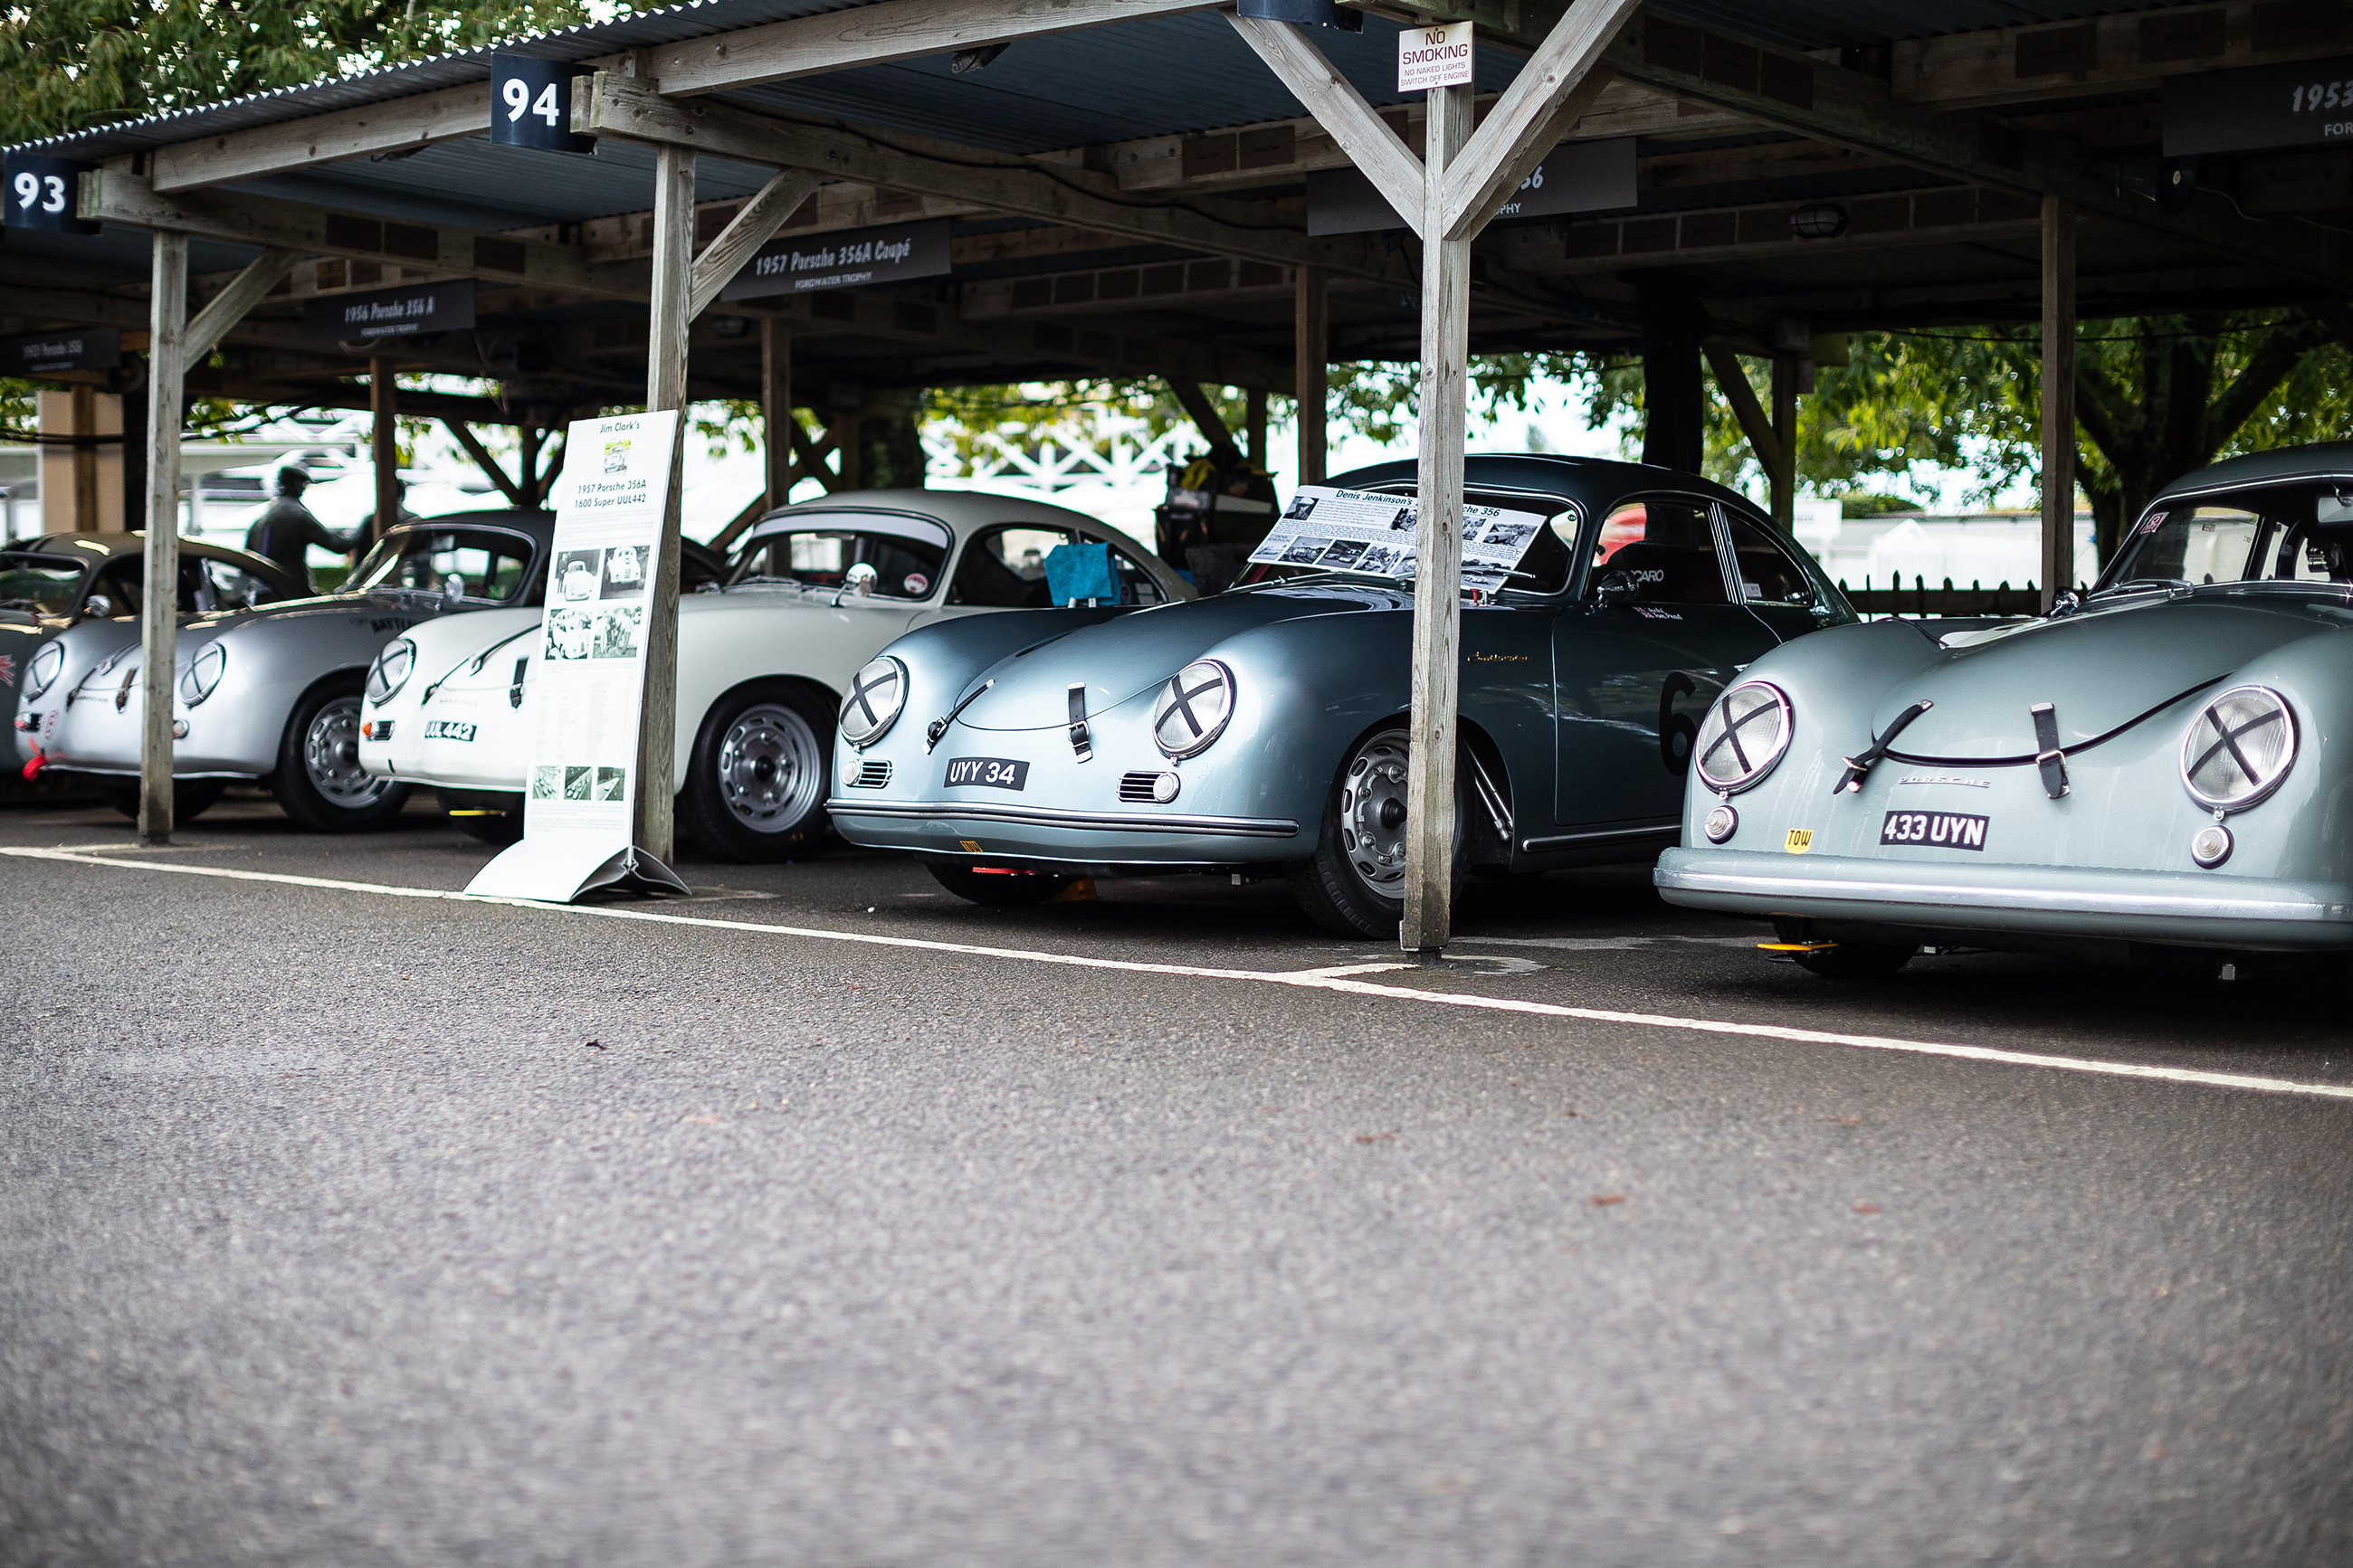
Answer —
286 528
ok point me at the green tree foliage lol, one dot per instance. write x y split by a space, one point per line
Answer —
70 64
2156 397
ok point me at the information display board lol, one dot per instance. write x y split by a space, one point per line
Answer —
62 349
43 193
588 697
401 311
851 258
1332 530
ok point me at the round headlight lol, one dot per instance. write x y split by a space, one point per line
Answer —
877 692
1743 736
1193 708
204 673
2239 748
391 670
42 673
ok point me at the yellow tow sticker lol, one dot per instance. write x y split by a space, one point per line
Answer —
970 846
1799 842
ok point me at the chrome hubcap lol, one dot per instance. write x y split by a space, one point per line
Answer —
1372 814
771 769
331 756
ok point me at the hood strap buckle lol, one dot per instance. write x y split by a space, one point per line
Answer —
2050 757
1859 768
1078 722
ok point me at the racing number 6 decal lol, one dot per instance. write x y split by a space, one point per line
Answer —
1676 732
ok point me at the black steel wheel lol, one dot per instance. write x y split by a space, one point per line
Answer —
1355 885
757 778
318 782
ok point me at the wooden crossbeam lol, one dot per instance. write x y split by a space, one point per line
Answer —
1561 81
401 125
631 110
243 292
754 224
880 34
484 462
1379 153
1754 423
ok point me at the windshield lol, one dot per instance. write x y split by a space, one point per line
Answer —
2282 533
492 565
43 584
818 549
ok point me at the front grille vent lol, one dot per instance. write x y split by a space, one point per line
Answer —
872 775
1146 789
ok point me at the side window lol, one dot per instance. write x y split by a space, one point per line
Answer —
492 564
119 584
1768 575
1664 548
1136 586
1005 567
233 589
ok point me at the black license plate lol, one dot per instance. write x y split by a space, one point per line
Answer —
1934 829
447 729
988 772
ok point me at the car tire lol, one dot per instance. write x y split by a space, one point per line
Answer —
1359 855
191 798
757 778
318 782
1855 960
999 889
493 817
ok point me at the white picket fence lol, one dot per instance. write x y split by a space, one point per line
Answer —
1114 470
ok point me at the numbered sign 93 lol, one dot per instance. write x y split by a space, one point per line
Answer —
531 105
42 193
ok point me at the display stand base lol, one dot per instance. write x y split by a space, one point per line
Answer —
556 872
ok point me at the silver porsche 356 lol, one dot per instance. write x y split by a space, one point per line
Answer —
2157 770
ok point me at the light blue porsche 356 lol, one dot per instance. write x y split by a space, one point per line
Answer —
1263 731
2160 770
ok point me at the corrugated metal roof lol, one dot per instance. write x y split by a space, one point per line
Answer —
1135 80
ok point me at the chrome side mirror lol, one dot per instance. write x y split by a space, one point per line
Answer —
860 579
1616 588
453 588
98 605
2066 602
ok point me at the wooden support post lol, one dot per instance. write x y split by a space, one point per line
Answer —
1197 403
665 389
1784 432
1311 340
776 419
1254 426
383 445
2058 398
1437 600
463 433
527 461
159 621
86 515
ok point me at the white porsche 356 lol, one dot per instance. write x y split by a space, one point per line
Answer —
765 658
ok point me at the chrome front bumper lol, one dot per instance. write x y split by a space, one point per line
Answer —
2188 909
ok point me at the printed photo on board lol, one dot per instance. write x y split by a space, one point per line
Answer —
616 632
624 571
567 633
609 781
579 783
575 575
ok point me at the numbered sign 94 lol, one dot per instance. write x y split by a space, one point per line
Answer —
42 194
531 105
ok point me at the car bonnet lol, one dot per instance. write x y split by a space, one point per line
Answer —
1122 658
2102 671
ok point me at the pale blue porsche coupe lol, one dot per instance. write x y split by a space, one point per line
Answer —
2160 771
1263 731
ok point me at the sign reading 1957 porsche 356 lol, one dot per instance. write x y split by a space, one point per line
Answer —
1263 731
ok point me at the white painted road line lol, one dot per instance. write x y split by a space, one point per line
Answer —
1328 979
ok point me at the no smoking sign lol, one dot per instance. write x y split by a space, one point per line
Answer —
1434 56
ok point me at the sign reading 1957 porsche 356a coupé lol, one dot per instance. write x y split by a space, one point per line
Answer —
2156 772
1263 732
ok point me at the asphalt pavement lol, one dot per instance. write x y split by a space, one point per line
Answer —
822 1219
